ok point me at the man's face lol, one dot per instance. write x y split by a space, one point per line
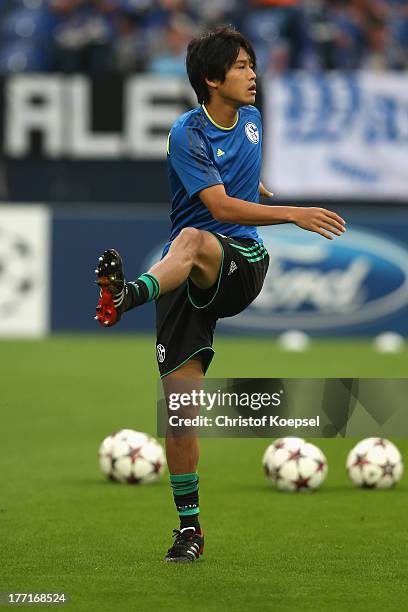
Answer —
239 86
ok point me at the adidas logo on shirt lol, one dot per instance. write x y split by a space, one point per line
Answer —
233 267
220 152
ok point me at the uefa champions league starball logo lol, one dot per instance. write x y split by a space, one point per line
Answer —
17 275
252 133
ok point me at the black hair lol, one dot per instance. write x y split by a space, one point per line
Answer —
211 55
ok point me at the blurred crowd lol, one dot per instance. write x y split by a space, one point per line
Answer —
98 36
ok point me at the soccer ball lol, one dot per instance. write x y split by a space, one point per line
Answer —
290 442
132 457
375 463
389 342
293 465
294 341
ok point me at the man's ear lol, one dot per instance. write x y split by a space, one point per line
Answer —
212 84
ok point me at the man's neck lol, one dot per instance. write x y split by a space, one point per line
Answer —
221 113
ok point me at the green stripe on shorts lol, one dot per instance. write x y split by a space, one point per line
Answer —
245 250
259 251
255 259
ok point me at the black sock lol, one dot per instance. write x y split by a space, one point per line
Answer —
185 492
145 289
188 509
190 521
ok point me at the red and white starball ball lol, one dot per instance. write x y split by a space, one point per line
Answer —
374 463
294 465
131 457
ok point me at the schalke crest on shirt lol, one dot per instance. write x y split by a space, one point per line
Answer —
252 133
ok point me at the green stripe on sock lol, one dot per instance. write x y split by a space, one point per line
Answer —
187 489
182 477
156 283
152 284
184 483
189 511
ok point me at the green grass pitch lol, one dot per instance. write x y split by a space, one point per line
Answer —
63 528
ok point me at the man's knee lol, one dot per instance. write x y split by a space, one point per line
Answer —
191 236
190 240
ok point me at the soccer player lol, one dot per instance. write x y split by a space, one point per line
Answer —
214 263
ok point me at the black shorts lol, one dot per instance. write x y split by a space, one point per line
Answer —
186 317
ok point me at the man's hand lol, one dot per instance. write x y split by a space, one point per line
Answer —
319 220
263 192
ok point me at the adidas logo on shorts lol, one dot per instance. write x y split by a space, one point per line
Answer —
233 267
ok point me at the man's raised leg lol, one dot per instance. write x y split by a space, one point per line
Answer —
194 253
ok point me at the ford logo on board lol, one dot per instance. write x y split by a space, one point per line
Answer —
316 284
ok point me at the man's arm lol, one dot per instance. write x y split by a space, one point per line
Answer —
233 210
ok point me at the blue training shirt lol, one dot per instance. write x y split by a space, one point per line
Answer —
201 153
